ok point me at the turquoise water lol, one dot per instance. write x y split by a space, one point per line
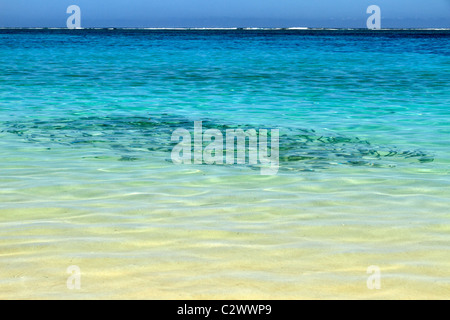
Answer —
87 178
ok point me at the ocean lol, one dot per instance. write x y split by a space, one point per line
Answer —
88 179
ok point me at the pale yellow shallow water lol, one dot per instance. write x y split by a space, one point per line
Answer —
159 231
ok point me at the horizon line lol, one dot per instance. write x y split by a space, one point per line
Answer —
215 28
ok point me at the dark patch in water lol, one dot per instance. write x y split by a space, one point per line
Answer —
128 158
132 137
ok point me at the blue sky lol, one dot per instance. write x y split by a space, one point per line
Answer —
225 13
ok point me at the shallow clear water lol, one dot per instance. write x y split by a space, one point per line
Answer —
87 178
